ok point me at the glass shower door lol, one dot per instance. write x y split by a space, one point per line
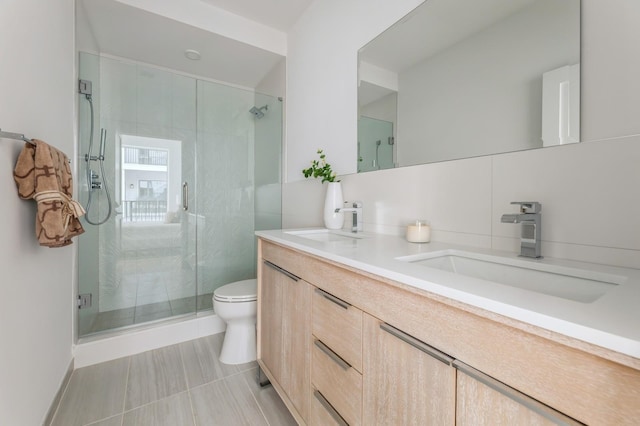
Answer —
140 265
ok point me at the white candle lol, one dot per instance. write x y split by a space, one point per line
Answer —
419 232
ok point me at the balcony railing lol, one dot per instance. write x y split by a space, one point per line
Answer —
144 211
145 156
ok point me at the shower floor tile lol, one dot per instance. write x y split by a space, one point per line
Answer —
113 319
173 386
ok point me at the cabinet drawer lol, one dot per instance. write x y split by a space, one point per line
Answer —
322 413
339 325
338 382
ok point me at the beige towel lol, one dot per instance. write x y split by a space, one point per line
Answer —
43 173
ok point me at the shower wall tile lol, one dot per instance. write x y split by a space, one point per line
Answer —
118 94
152 130
183 102
154 96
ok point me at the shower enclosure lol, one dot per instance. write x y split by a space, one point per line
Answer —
180 162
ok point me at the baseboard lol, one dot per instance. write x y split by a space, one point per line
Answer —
56 400
137 341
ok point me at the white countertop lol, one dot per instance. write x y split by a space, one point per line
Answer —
612 321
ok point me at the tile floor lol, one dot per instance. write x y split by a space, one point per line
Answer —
183 384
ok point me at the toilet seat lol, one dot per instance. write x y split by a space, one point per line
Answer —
240 291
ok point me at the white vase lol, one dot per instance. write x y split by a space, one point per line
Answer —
332 201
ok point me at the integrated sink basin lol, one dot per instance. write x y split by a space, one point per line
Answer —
326 235
579 285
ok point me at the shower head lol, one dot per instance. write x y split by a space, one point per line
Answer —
257 112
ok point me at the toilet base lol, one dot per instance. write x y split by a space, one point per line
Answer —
239 346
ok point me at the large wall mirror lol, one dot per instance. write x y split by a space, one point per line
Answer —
464 78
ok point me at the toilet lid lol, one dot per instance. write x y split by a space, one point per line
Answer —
239 291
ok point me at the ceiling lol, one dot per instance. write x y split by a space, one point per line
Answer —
129 32
279 14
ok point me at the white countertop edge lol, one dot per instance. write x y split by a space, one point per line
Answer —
587 334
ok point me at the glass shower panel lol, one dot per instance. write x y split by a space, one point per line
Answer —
268 165
186 187
140 265
226 182
375 144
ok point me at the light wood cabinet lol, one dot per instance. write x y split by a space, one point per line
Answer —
338 382
406 382
338 324
336 361
441 363
284 328
483 401
270 320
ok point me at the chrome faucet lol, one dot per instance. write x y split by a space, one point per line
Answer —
356 209
531 221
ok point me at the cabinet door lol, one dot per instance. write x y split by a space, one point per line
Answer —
482 400
296 337
406 382
270 319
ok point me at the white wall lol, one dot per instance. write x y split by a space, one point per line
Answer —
37 87
588 190
322 77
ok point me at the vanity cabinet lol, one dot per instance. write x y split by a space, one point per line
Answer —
482 400
406 381
284 318
345 346
336 361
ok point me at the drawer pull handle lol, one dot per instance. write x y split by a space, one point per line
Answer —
522 399
331 354
327 406
279 269
333 299
433 352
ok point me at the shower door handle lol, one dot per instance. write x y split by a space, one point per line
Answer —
185 196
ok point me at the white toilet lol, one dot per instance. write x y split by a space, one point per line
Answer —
236 305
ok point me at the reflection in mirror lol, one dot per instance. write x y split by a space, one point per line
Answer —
459 79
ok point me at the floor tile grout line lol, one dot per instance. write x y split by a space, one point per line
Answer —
126 390
186 380
264 415
64 393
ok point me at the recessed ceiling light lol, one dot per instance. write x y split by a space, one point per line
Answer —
194 55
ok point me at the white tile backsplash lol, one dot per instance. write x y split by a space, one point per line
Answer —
451 195
586 191
589 193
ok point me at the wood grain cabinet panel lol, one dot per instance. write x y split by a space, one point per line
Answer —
405 376
338 324
322 412
483 401
284 330
270 320
403 385
338 382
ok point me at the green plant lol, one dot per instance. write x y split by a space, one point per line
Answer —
320 169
